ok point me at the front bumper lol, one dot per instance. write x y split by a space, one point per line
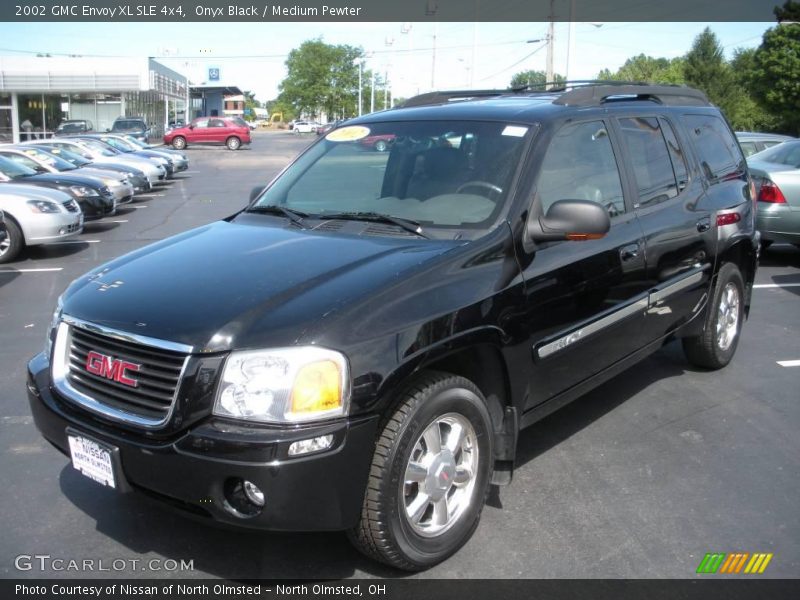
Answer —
52 227
316 492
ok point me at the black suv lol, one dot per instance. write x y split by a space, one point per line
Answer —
369 336
133 126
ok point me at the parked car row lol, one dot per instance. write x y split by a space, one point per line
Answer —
50 188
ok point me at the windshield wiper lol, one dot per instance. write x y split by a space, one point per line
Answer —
407 224
272 209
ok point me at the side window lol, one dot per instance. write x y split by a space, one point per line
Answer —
216 123
717 150
23 160
652 165
748 148
201 123
580 165
676 154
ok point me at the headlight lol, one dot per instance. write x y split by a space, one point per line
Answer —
43 206
83 191
285 385
51 330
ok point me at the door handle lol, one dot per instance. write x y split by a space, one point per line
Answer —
704 225
629 252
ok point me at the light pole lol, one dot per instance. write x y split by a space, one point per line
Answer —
360 63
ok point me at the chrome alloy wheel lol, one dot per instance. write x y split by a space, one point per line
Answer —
440 475
728 316
5 244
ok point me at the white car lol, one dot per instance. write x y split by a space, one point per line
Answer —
305 126
36 215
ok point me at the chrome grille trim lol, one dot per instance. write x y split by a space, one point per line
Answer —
157 394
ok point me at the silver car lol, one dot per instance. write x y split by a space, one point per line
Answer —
44 162
36 215
776 172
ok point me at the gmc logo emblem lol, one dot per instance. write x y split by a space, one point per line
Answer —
111 368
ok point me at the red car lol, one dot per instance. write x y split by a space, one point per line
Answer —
209 130
379 143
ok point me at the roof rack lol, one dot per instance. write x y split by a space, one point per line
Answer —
592 94
442 97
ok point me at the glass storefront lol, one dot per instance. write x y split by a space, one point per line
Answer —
39 115
6 128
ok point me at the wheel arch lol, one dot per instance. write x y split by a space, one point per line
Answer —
744 255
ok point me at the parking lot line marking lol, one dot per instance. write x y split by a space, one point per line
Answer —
789 363
75 242
141 206
121 221
31 270
775 285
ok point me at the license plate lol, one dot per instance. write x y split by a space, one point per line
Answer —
92 459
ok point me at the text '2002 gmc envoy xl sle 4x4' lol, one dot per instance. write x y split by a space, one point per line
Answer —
359 348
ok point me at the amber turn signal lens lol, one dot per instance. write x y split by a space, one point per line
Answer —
580 237
317 388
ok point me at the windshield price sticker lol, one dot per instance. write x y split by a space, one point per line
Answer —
348 134
515 130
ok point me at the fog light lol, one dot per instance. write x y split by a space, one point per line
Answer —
62 231
316 444
253 493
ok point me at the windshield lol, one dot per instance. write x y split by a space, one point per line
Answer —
787 153
118 144
48 158
451 174
133 141
99 147
69 156
128 126
14 170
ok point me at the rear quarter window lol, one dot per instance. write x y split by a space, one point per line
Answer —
717 150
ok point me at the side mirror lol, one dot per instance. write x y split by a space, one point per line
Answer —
574 220
256 192
190 126
108 130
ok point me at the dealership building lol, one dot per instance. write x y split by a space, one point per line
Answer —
39 92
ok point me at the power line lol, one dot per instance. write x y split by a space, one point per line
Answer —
524 58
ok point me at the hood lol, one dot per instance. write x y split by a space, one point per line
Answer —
243 284
65 179
32 192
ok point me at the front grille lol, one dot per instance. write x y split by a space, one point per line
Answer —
157 378
72 206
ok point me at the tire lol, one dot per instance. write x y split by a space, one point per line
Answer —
179 143
381 146
13 244
765 244
436 405
233 143
715 347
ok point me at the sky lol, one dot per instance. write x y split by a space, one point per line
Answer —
468 55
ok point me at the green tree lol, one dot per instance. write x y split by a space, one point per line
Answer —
776 73
321 77
250 103
790 11
643 68
750 114
533 79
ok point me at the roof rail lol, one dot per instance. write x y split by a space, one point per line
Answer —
595 95
443 97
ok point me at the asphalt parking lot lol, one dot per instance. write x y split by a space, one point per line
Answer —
638 479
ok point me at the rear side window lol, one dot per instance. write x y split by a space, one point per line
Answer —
580 165
650 159
717 150
216 123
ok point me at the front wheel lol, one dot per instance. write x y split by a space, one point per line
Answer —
11 246
179 143
715 347
429 476
233 143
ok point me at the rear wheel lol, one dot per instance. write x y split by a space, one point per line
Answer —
429 476
179 143
233 143
715 347
13 244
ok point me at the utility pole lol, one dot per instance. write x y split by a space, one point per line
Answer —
551 33
372 94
